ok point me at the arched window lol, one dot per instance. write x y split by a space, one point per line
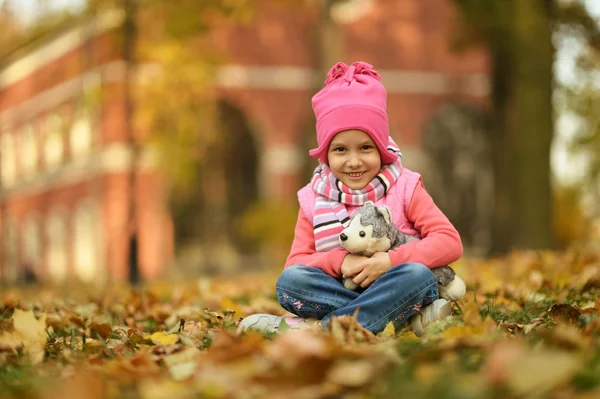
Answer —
87 241
29 151
8 159
56 239
53 141
11 252
31 241
80 138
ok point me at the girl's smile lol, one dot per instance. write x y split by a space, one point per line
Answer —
355 175
354 158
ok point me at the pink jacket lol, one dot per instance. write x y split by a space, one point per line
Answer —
413 211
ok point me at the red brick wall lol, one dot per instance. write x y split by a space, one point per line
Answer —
279 35
65 198
68 66
407 35
111 190
410 35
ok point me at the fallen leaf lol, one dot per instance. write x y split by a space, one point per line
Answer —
299 345
593 309
501 357
103 330
347 330
28 333
563 313
353 374
539 372
520 327
388 331
182 365
160 338
566 337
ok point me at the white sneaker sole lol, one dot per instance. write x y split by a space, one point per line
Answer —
417 324
261 322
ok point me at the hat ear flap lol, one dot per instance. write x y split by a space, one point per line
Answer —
386 213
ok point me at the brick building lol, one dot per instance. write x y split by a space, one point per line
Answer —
65 158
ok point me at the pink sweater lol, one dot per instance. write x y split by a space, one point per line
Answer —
440 244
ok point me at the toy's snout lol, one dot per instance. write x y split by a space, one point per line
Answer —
343 237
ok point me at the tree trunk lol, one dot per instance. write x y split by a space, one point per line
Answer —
501 151
330 43
530 126
129 37
522 56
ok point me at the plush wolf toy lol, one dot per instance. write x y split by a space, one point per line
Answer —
371 230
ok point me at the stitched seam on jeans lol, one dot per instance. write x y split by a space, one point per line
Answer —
405 302
310 296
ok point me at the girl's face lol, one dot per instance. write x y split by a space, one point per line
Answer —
353 158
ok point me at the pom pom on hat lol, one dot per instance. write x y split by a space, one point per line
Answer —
353 98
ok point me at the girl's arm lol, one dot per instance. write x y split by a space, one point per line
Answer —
440 243
303 250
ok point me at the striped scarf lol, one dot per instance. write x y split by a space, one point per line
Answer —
333 196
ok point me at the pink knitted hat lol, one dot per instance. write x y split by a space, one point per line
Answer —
353 98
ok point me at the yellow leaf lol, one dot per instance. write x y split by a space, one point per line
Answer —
29 333
389 329
29 327
470 314
351 373
160 338
541 372
182 365
228 303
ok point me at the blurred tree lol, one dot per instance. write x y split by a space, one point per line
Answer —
177 112
127 38
580 97
456 139
129 32
9 26
17 33
518 35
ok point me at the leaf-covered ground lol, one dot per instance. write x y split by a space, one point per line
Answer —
528 327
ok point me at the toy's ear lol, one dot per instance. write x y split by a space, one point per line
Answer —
386 213
369 203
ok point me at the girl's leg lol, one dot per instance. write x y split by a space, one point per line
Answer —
304 291
311 293
395 296
399 294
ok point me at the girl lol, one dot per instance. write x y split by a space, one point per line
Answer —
359 162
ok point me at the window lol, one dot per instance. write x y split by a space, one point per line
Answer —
56 238
29 150
32 254
11 252
86 241
8 160
81 136
53 141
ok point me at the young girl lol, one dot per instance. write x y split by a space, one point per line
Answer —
359 162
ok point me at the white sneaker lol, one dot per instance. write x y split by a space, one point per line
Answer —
439 309
268 323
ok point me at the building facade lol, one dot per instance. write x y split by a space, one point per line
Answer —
66 162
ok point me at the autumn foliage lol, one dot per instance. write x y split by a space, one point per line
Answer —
528 327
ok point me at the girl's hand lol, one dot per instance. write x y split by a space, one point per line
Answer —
370 269
350 265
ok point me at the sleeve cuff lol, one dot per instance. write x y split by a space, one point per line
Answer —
335 258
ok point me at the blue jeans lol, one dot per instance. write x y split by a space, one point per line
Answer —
395 296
